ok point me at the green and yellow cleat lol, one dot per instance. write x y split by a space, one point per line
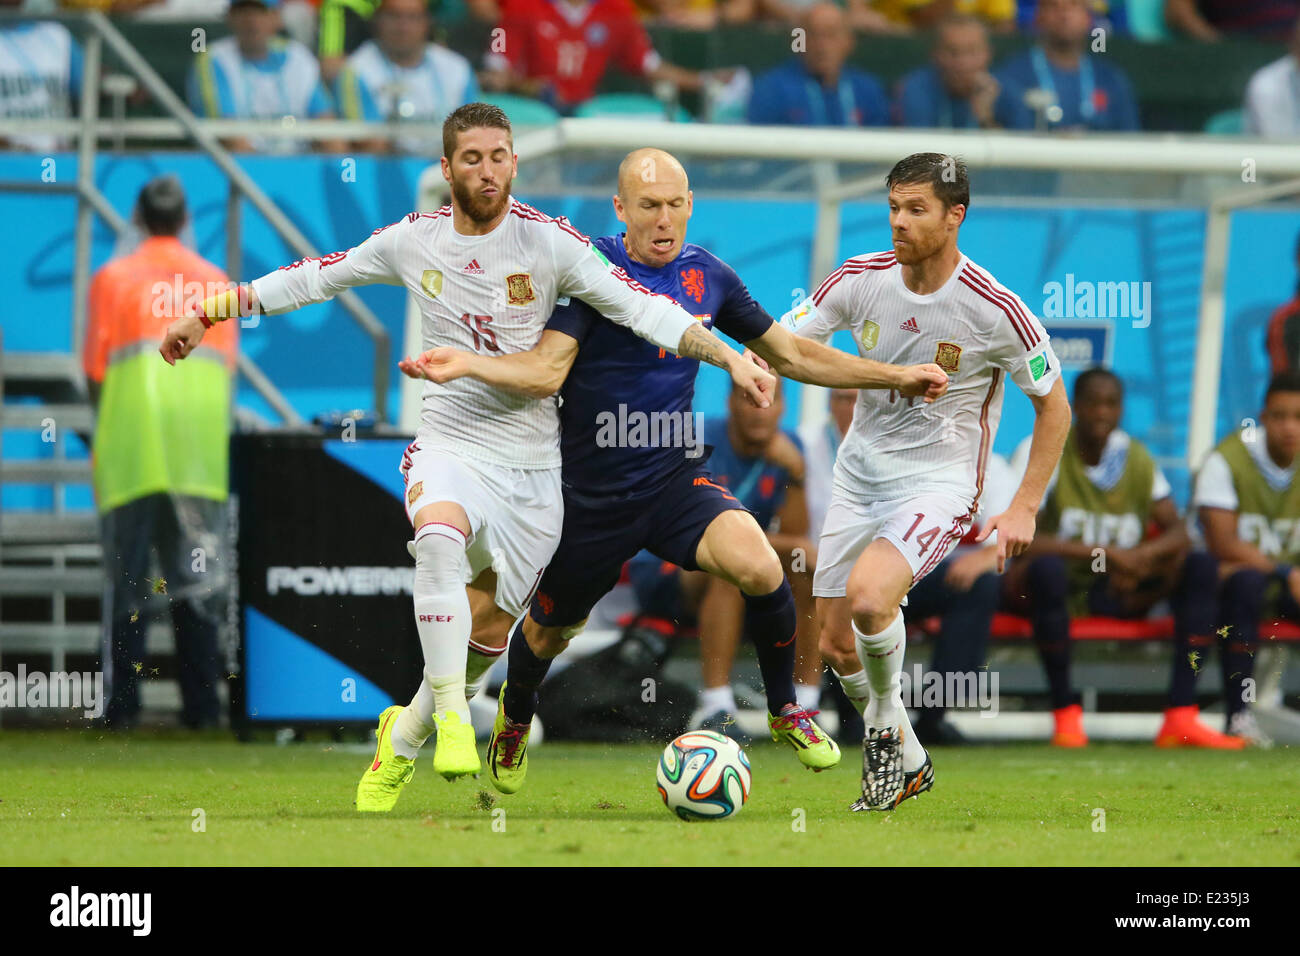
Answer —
456 753
812 745
382 782
507 750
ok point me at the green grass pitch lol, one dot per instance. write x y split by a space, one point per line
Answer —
80 798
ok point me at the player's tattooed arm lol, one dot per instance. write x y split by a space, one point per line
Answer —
699 343
804 360
537 373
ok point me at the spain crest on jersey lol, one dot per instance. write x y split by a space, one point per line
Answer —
519 288
948 357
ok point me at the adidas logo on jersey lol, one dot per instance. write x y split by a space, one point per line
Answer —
475 269
910 325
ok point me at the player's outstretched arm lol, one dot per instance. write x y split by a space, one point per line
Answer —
699 343
184 335
537 373
806 360
1016 525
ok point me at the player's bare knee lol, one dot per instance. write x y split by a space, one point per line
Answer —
762 575
871 611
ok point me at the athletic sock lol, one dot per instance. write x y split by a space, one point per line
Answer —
808 696
525 672
1048 585
1195 602
855 687
770 622
442 614
478 661
882 660
414 725
913 752
714 699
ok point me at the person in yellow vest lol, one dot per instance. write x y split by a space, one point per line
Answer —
160 459
1111 542
1247 500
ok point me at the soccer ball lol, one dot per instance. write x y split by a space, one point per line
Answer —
703 776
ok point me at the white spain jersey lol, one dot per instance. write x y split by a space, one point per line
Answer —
490 294
974 328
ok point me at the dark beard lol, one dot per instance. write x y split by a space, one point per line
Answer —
477 209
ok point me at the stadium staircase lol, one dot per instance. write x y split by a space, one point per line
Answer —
50 577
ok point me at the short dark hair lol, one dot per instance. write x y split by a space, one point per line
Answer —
161 206
945 174
1288 381
1098 373
472 116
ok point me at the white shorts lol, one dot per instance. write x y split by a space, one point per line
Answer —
923 529
515 515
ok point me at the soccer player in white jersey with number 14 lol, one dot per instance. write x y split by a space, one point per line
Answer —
483 475
908 475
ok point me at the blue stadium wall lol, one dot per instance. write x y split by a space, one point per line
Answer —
1027 246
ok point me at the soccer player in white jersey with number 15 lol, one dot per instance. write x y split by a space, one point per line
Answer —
483 475
908 475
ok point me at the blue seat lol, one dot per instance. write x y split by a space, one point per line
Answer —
522 110
1146 19
1226 123
630 104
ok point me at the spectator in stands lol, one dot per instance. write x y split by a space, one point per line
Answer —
1284 330
816 87
1000 15
1248 503
1212 19
763 466
1057 84
1110 15
160 469
254 74
700 14
964 592
1095 553
560 50
40 78
400 76
956 90
344 26
1272 106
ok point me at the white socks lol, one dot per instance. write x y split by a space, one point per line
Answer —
478 662
855 688
442 614
714 699
808 696
414 724
882 671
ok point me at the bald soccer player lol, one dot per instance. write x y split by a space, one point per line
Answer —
635 470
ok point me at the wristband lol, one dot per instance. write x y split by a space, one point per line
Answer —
1282 570
223 305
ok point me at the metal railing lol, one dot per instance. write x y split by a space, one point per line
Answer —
88 128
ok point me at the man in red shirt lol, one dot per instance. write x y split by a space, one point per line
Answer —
1284 331
559 50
